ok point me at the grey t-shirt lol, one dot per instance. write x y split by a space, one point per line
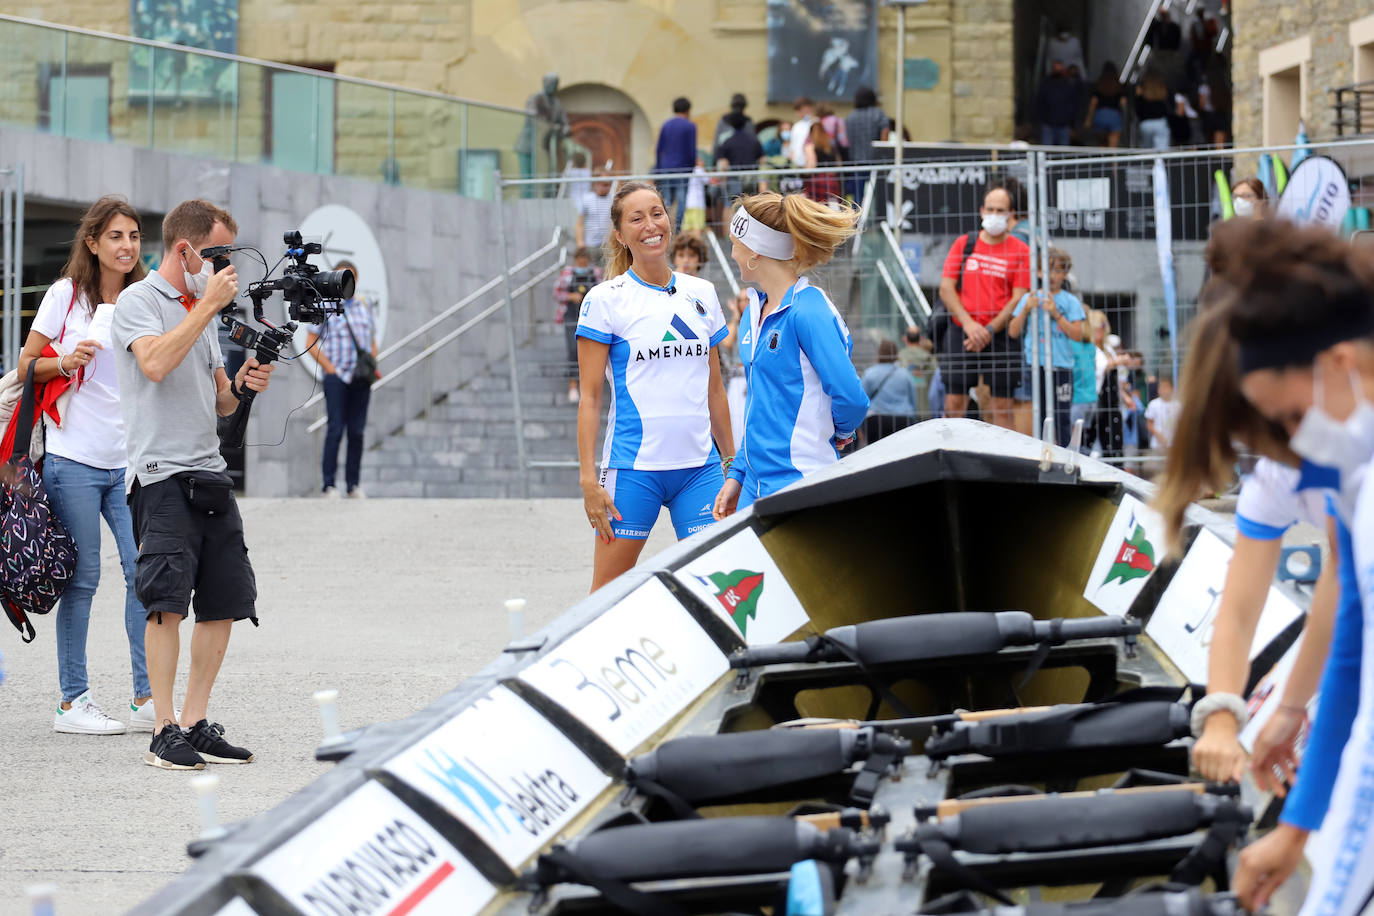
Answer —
169 425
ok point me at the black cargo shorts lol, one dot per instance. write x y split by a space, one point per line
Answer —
186 556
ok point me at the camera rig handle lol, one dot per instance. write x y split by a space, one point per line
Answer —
266 347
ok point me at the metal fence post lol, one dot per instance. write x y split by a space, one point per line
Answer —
1047 391
518 411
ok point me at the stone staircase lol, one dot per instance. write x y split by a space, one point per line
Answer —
465 446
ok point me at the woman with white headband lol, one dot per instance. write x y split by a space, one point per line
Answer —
653 336
805 400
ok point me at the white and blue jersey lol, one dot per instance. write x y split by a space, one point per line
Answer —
659 368
1275 497
803 390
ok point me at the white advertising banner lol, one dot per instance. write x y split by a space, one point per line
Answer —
626 674
1128 557
372 856
1183 620
505 771
740 582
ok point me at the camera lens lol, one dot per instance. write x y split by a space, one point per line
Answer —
334 284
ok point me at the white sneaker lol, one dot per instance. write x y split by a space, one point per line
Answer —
85 718
357 493
331 493
141 717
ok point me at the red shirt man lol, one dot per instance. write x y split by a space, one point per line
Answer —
975 346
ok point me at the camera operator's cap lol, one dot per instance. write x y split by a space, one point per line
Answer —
764 240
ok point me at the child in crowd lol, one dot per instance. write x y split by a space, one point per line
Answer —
689 255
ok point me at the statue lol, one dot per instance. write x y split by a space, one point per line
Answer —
543 105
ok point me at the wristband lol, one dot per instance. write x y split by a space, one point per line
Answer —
726 462
1217 702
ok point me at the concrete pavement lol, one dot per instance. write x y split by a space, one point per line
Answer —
392 602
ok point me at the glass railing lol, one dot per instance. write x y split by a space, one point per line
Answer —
96 86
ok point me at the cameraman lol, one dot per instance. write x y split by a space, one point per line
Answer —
190 534
573 285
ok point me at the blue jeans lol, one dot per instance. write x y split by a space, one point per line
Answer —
674 191
1055 136
80 495
1154 133
346 406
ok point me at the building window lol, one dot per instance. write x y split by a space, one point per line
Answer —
1283 72
1362 41
300 116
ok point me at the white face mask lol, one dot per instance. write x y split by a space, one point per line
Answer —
995 224
196 284
1341 444
1244 207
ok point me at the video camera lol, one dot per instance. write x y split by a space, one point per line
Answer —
311 295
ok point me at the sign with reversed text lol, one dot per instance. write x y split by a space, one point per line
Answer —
1183 620
629 672
505 771
1132 550
740 582
370 855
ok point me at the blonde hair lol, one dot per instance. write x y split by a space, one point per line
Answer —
1098 319
621 259
816 229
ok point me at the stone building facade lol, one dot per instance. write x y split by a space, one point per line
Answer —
621 58
1287 56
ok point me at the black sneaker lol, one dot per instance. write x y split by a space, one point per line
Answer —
169 750
208 739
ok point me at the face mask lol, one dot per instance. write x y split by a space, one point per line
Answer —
1243 206
196 284
786 135
995 224
1341 444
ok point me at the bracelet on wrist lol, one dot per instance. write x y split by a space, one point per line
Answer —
726 462
1217 702
61 367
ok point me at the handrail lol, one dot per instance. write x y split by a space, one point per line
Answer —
256 62
1124 78
456 308
724 264
906 268
460 330
892 288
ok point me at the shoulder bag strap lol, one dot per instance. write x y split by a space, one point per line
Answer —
24 413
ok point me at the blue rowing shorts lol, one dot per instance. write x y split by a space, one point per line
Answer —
689 494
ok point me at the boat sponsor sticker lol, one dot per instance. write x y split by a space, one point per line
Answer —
1133 549
504 771
626 674
1183 620
740 582
370 855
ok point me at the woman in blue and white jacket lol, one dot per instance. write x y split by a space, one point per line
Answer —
805 400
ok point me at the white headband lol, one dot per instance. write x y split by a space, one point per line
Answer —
762 239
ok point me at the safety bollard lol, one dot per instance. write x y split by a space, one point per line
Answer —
205 785
515 614
328 701
41 898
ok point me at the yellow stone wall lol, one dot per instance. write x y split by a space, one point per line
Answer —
496 51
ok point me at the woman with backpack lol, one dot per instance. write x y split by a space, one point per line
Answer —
83 471
892 395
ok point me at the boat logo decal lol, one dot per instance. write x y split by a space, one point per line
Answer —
738 592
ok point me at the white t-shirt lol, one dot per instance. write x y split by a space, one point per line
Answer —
659 368
696 189
1272 500
92 430
1164 415
797 140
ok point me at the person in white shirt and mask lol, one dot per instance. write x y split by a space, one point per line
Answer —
1248 198
1303 321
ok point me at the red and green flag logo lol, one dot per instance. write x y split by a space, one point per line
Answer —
1134 559
738 592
